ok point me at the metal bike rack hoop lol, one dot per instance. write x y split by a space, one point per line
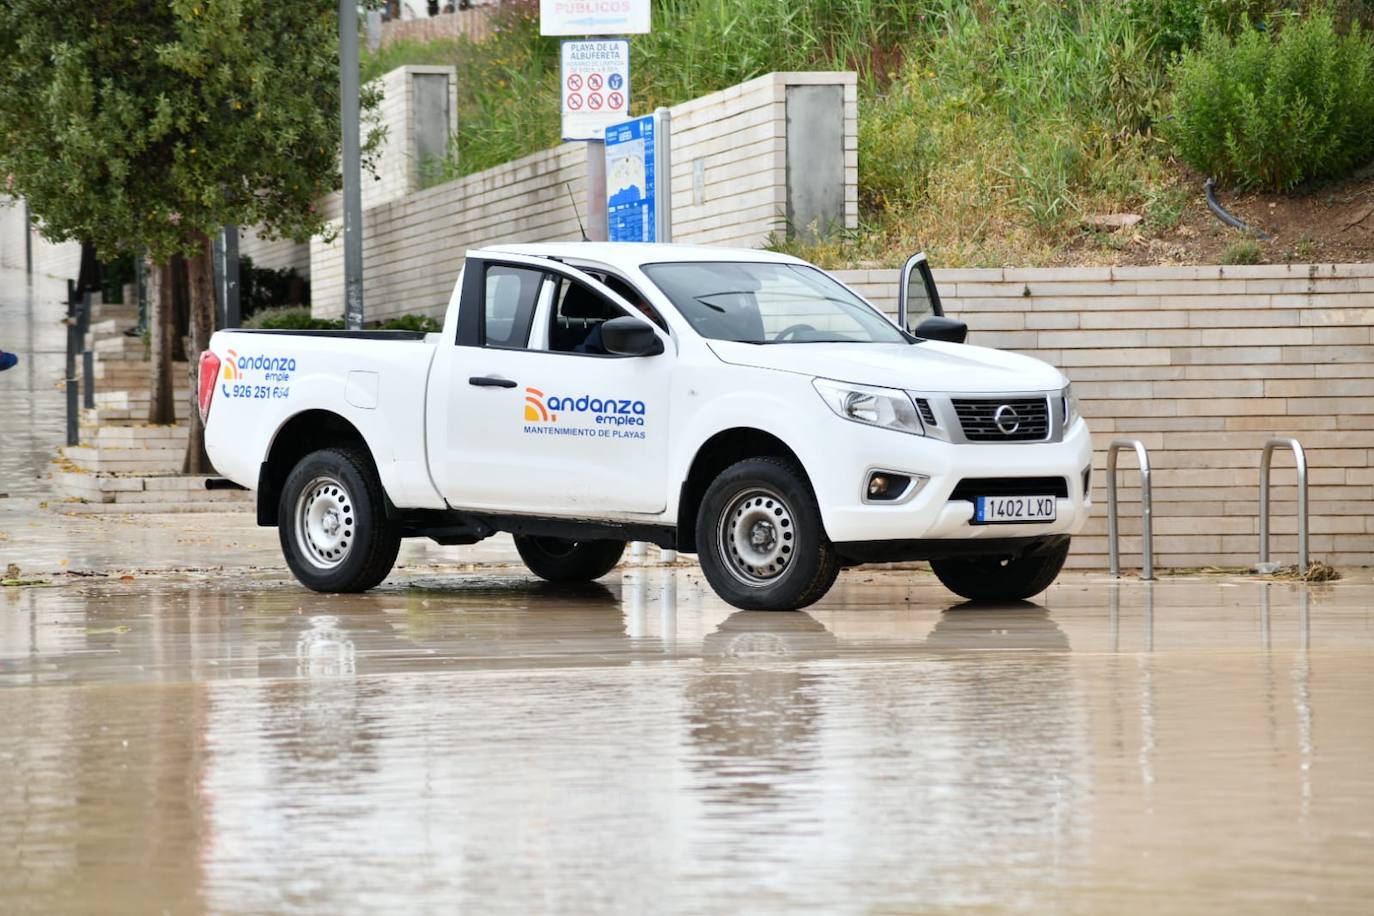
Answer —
1300 459
1147 570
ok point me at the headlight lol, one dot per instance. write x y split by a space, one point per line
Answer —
1071 409
887 407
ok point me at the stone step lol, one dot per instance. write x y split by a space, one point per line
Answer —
124 460
141 490
164 508
110 329
120 347
140 437
134 398
202 495
122 313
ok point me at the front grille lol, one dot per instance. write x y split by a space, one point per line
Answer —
928 415
970 488
1027 418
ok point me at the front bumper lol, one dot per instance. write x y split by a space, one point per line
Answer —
838 476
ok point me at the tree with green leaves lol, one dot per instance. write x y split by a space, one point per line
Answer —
149 124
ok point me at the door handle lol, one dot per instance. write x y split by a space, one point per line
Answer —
491 381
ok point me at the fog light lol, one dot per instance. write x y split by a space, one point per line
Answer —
884 486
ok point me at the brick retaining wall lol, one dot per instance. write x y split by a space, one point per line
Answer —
1202 364
413 245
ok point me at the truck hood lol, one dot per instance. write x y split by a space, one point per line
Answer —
931 365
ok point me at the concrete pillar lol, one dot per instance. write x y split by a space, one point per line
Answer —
815 160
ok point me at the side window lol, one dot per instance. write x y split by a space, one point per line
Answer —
576 318
509 300
624 290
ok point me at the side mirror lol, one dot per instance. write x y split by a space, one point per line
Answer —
939 327
917 297
628 336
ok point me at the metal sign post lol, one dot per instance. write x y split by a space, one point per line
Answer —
352 166
595 93
229 280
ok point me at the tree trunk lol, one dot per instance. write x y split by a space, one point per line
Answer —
200 278
161 404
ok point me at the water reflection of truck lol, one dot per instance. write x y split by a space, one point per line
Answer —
741 405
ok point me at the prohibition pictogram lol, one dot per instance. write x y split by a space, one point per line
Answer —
574 81
615 101
574 102
594 81
593 101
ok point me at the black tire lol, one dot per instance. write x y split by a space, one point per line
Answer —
760 540
999 579
561 560
332 522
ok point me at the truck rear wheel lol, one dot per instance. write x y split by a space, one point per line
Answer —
1001 579
333 525
760 539
562 560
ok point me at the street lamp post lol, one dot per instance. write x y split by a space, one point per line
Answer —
352 177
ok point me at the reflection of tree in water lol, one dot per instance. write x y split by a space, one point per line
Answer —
753 712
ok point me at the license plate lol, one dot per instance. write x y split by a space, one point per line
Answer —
1009 510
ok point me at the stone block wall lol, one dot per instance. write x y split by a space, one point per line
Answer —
729 172
1202 364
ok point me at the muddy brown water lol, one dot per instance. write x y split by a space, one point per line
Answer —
206 736
480 742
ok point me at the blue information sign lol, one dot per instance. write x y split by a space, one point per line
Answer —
631 191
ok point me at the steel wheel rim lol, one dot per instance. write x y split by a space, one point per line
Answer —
325 523
757 536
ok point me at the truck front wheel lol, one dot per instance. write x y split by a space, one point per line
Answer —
760 539
333 525
1002 579
561 560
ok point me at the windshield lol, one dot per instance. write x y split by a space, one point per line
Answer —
769 304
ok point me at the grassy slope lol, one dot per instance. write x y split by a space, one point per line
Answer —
988 128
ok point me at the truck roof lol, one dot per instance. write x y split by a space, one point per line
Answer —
626 255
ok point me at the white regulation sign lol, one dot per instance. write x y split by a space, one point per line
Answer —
596 87
593 17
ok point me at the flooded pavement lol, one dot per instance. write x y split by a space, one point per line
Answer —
477 741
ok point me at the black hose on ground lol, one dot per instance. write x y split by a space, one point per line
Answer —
1227 218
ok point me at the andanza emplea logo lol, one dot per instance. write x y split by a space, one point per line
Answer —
535 409
541 408
236 381
231 371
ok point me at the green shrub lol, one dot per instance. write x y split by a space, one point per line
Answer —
1012 118
297 318
1270 111
291 318
1242 251
265 288
422 323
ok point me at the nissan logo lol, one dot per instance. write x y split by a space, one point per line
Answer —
1007 419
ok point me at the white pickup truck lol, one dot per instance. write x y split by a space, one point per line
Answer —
741 405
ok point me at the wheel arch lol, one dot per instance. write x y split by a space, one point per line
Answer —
303 433
717 453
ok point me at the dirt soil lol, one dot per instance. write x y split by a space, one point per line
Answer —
1329 222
